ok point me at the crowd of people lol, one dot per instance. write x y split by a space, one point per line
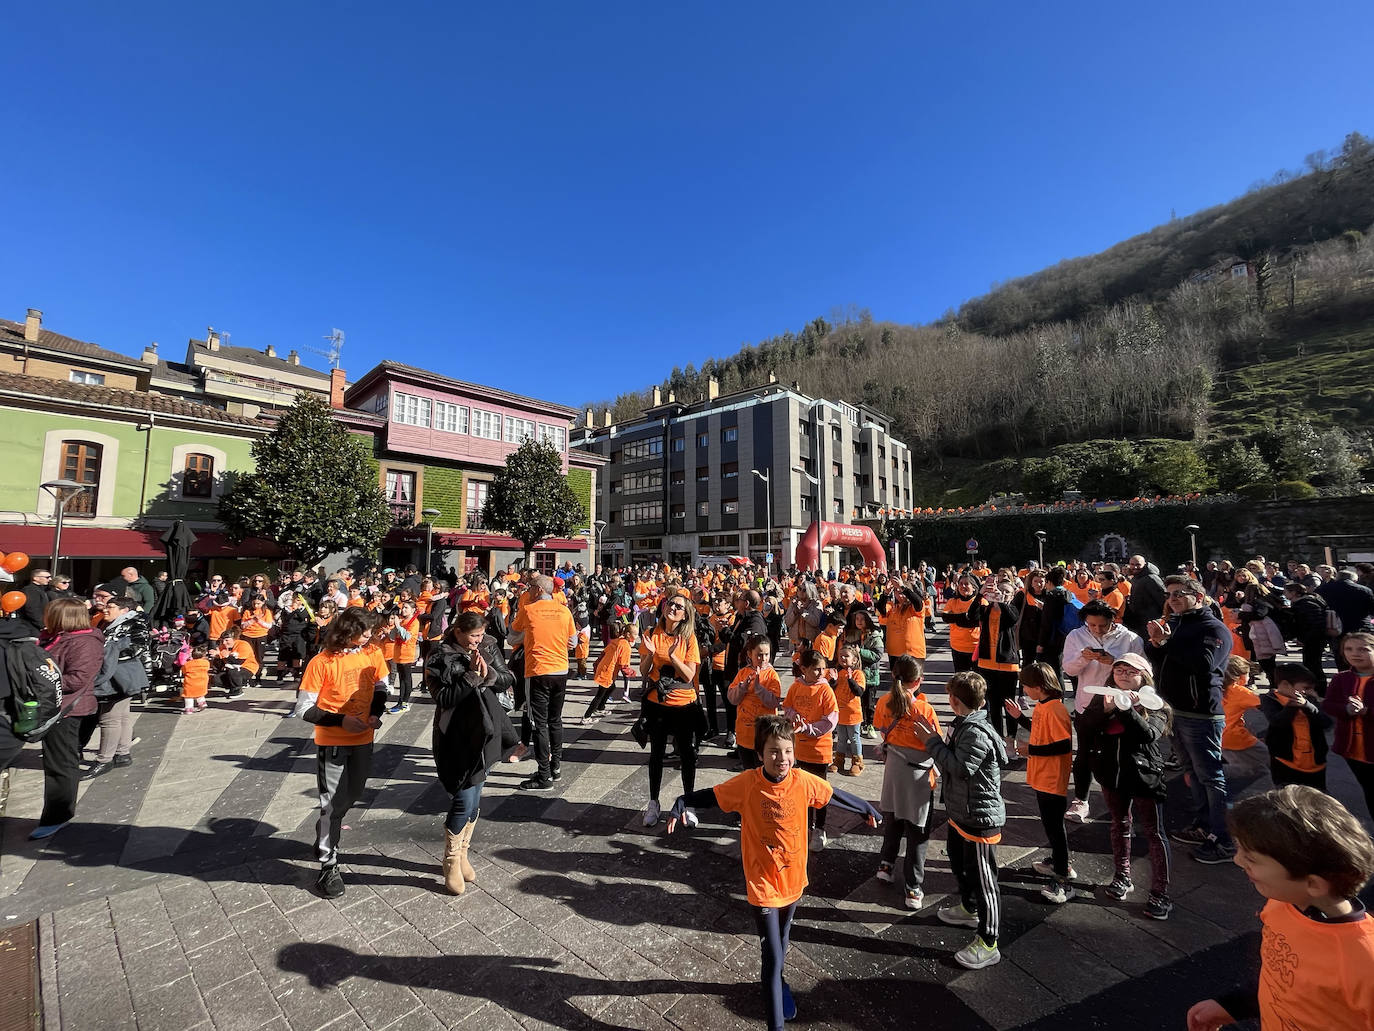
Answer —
1087 672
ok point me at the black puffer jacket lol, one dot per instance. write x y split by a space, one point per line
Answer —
471 731
1190 665
124 672
1125 752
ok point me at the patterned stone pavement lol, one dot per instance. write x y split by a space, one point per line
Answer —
180 900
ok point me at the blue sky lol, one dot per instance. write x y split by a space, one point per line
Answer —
569 199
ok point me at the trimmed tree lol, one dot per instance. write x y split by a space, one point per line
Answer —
314 489
530 499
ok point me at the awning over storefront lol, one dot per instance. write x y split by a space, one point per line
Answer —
488 540
102 542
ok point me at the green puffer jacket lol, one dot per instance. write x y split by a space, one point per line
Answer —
970 765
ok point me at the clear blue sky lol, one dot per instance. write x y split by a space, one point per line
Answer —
490 189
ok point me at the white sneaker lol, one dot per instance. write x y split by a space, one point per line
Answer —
977 954
1045 868
914 898
817 839
884 872
1078 811
957 916
652 812
1057 892
689 818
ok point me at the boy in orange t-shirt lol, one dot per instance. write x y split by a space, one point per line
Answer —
755 691
614 661
1050 758
1309 857
849 693
772 801
348 679
195 679
811 706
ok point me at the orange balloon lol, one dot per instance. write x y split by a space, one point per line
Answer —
14 561
13 601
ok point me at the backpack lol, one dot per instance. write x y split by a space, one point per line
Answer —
1334 627
34 704
1072 616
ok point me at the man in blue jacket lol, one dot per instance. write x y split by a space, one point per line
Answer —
1189 650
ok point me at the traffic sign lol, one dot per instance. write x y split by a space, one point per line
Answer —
971 546
768 557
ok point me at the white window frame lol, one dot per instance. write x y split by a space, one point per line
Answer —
86 379
518 430
485 424
450 418
410 409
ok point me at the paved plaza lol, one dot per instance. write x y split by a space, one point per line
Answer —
180 900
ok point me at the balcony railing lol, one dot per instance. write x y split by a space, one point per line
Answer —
402 513
473 521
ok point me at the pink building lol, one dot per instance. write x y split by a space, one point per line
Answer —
438 443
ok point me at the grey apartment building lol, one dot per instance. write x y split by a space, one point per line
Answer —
682 482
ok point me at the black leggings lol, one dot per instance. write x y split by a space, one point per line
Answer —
816 817
1364 775
963 661
1002 684
259 645
603 695
405 678
715 685
679 723
775 933
1052 809
1082 759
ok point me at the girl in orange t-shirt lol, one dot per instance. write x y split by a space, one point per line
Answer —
614 661
1050 757
772 802
254 627
908 792
1245 757
814 712
755 691
849 693
195 679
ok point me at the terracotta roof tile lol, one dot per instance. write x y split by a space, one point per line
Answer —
133 400
263 361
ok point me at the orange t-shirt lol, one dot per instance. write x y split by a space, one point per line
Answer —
1236 700
617 654
548 627
751 706
1304 756
1117 601
660 644
1082 593
424 602
345 683
902 732
906 631
222 617
773 830
244 651
254 624
195 678
405 651
994 634
812 702
849 690
961 638
1315 974
474 601
1050 724
825 642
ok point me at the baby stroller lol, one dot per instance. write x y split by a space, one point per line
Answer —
168 649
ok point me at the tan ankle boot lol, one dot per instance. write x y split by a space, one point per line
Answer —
855 768
453 861
465 839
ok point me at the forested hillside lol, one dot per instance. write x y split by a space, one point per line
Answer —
1204 348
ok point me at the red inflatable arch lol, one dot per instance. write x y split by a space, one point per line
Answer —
859 537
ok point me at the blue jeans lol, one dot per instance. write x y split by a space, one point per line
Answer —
1197 745
847 741
463 809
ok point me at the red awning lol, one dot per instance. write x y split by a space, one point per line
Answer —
490 540
101 542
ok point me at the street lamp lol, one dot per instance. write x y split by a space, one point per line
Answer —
816 516
1192 529
768 507
429 514
597 527
1040 537
56 489
907 537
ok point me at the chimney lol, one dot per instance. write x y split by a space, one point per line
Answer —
336 388
772 376
270 351
712 389
606 419
591 418
211 338
150 354
658 397
33 322
293 358
671 397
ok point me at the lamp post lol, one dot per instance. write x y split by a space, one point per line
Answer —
907 537
56 489
597 527
765 475
817 516
429 514
1040 538
1192 529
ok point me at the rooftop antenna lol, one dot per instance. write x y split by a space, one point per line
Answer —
336 342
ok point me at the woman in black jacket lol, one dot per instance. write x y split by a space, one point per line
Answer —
1031 601
471 731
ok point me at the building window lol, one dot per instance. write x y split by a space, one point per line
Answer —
615 517
379 405
835 434
518 430
555 435
808 466
703 473
90 379
729 469
198 477
703 440
838 507
807 504
476 500
409 409
450 418
400 495
643 512
805 427
639 450
836 469
677 478
638 483
703 508
729 506
882 452
615 486
729 435
679 511
545 562
486 425
81 462
679 445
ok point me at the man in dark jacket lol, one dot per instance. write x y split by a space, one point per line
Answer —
1189 653
37 593
131 583
1146 600
1305 622
748 621
1353 603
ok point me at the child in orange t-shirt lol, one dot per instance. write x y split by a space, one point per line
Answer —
814 712
908 792
772 801
755 691
849 693
1245 757
614 661
348 679
1309 857
1296 737
195 679
1050 753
